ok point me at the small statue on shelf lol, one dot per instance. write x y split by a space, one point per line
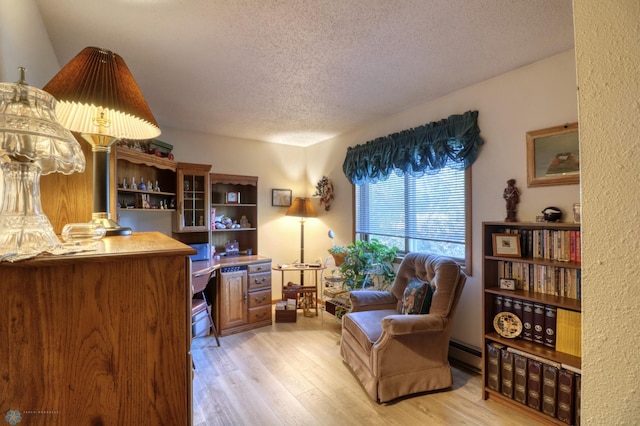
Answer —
133 183
512 197
149 186
157 188
142 186
124 183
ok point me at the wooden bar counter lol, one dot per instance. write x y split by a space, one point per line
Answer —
100 337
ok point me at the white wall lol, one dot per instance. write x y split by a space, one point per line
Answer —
608 64
24 42
537 96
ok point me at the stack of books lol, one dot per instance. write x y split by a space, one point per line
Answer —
547 325
539 383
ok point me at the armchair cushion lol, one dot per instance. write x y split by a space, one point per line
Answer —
417 297
372 299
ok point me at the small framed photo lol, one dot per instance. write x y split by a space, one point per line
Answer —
281 197
506 245
232 197
507 284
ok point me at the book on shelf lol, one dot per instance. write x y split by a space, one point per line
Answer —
535 357
507 303
517 308
553 244
549 389
527 320
494 354
566 396
534 385
550 313
497 304
507 373
544 279
569 332
520 378
538 323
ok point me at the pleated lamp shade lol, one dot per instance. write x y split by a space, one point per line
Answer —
301 207
97 83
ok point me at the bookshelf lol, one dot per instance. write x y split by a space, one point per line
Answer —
244 204
538 372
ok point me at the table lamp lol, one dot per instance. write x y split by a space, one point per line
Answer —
302 208
99 99
32 144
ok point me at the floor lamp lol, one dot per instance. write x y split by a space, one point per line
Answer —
302 208
99 99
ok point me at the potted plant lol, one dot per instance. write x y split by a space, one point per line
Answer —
362 261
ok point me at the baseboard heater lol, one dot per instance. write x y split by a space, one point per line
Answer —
468 355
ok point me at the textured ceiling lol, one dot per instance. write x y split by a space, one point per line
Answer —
302 71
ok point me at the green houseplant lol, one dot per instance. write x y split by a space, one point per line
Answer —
361 261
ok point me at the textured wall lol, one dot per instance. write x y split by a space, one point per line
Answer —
608 65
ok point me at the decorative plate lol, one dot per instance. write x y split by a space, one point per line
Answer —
507 325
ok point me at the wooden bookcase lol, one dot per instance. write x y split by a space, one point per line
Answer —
536 283
247 188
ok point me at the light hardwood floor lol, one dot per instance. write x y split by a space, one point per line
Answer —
292 374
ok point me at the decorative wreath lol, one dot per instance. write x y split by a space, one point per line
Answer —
324 190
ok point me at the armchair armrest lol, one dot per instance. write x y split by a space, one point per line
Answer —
367 300
398 325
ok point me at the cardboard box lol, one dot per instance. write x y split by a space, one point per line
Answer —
286 315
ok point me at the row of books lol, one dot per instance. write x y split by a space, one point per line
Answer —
555 244
547 325
541 384
547 279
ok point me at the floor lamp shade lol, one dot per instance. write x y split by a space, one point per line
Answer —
99 99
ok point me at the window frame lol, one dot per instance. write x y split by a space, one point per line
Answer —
466 263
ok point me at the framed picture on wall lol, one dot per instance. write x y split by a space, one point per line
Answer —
281 197
553 156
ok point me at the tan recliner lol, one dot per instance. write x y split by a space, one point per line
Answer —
395 355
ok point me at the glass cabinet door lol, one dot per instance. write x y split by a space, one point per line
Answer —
193 195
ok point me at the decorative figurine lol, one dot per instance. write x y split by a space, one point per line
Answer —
133 183
157 187
149 186
142 186
512 196
124 183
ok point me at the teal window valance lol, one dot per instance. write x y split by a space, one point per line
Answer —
452 142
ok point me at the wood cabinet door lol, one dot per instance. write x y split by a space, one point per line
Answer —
233 302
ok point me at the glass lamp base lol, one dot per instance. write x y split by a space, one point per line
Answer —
112 227
24 228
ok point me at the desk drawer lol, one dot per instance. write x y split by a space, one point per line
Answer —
260 298
260 280
259 267
260 314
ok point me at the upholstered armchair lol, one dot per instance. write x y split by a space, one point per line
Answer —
393 354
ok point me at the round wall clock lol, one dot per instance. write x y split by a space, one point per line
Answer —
507 325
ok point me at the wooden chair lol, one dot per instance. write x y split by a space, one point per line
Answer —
199 304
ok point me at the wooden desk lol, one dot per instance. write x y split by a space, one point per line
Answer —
301 269
99 337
